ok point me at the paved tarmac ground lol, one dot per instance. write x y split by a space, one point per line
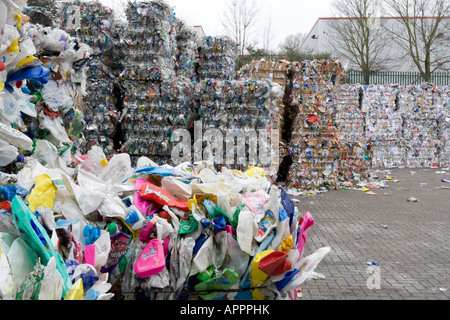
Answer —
413 251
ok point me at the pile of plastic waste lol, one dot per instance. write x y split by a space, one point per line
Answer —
42 82
150 232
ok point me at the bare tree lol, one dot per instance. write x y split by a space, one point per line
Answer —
291 46
356 35
267 33
293 42
239 22
421 29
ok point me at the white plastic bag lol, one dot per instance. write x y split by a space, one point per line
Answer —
144 161
255 201
245 230
47 154
102 248
118 169
10 107
52 285
10 34
22 260
269 219
57 96
47 218
220 248
8 153
205 256
306 267
282 230
208 176
112 207
3 15
90 181
186 247
6 277
86 200
235 258
160 280
55 126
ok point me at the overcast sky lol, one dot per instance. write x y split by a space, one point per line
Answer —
288 16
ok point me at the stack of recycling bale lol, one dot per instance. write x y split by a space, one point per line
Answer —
422 115
151 42
186 50
351 121
98 230
244 107
240 107
94 24
276 72
157 101
384 125
315 144
217 58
